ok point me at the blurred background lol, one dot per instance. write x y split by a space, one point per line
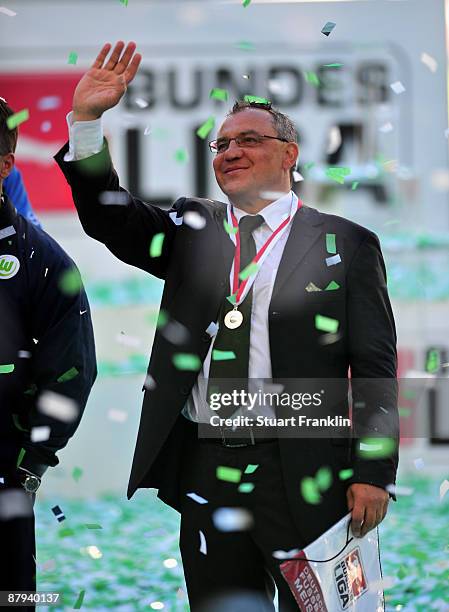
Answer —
371 98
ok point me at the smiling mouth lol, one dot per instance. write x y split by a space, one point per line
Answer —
235 170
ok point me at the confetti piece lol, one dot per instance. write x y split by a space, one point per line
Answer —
46 126
15 503
93 526
323 478
7 231
229 229
141 103
117 415
334 65
156 244
124 2
297 176
429 61
212 329
49 103
397 87
7 368
65 532
181 156
203 545
77 472
197 498
20 457
395 490
332 286
312 78
333 261
15 120
251 468
176 220
70 281
419 463
345 474
328 27
207 127
246 487
170 563
354 186
309 491
186 361
219 94
72 373
58 406
331 245
250 269
433 361
338 173
73 58
94 552
334 142
59 514
218 355
156 605
147 131
246 3
386 128
245 45
40 434
194 220
24 354
282 554
114 198
326 324
232 519
376 448
257 99
444 488
228 474
311 287
7 11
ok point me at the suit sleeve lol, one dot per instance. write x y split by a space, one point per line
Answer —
373 363
63 361
128 226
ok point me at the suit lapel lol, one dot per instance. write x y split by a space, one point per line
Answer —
226 244
305 231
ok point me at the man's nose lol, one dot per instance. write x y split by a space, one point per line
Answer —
233 150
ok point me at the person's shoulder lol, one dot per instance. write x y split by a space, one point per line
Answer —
42 244
212 206
341 225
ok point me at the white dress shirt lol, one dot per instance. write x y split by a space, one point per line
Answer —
86 139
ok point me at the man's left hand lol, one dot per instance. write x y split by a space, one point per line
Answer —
368 505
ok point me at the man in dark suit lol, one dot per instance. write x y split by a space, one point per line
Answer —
243 498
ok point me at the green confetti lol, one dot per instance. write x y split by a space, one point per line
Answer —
77 472
256 99
229 229
181 156
251 468
219 94
249 270
79 602
218 355
93 526
156 244
15 120
246 3
355 184
70 282
72 373
7 368
124 2
207 127
432 361
335 65
186 361
65 532
246 487
245 45
20 457
404 412
228 474
403 571
326 324
323 478
73 58
345 474
332 286
309 491
376 448
330 243
312 78
338 173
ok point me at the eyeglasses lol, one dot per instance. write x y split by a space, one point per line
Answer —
246 141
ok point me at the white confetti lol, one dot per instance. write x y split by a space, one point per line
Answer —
117 415
371 448
58 406
334 140
15 503
283 554
40 434
212 329
419 463
94 552
170 563
332 261
429 61
175 332
114 198
7 11
141 103
2 480
45 126
397 87
24 354
197 498
48 103
176 220
147 131
194 220
395 490
386 128
245 76
232 519
157 605
203 544
149 383
7 231
444 488
297 176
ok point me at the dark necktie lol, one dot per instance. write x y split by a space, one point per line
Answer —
235 340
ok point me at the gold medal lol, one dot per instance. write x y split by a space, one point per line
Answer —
233 319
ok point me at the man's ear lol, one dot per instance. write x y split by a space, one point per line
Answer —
291 155
6 165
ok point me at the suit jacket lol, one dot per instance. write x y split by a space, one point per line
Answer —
195 266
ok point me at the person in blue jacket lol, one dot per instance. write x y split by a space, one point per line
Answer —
47 368
14 188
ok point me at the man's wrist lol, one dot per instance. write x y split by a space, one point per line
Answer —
84 117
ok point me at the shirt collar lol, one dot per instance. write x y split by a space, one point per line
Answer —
274 213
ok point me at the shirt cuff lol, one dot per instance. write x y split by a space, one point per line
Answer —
85 138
